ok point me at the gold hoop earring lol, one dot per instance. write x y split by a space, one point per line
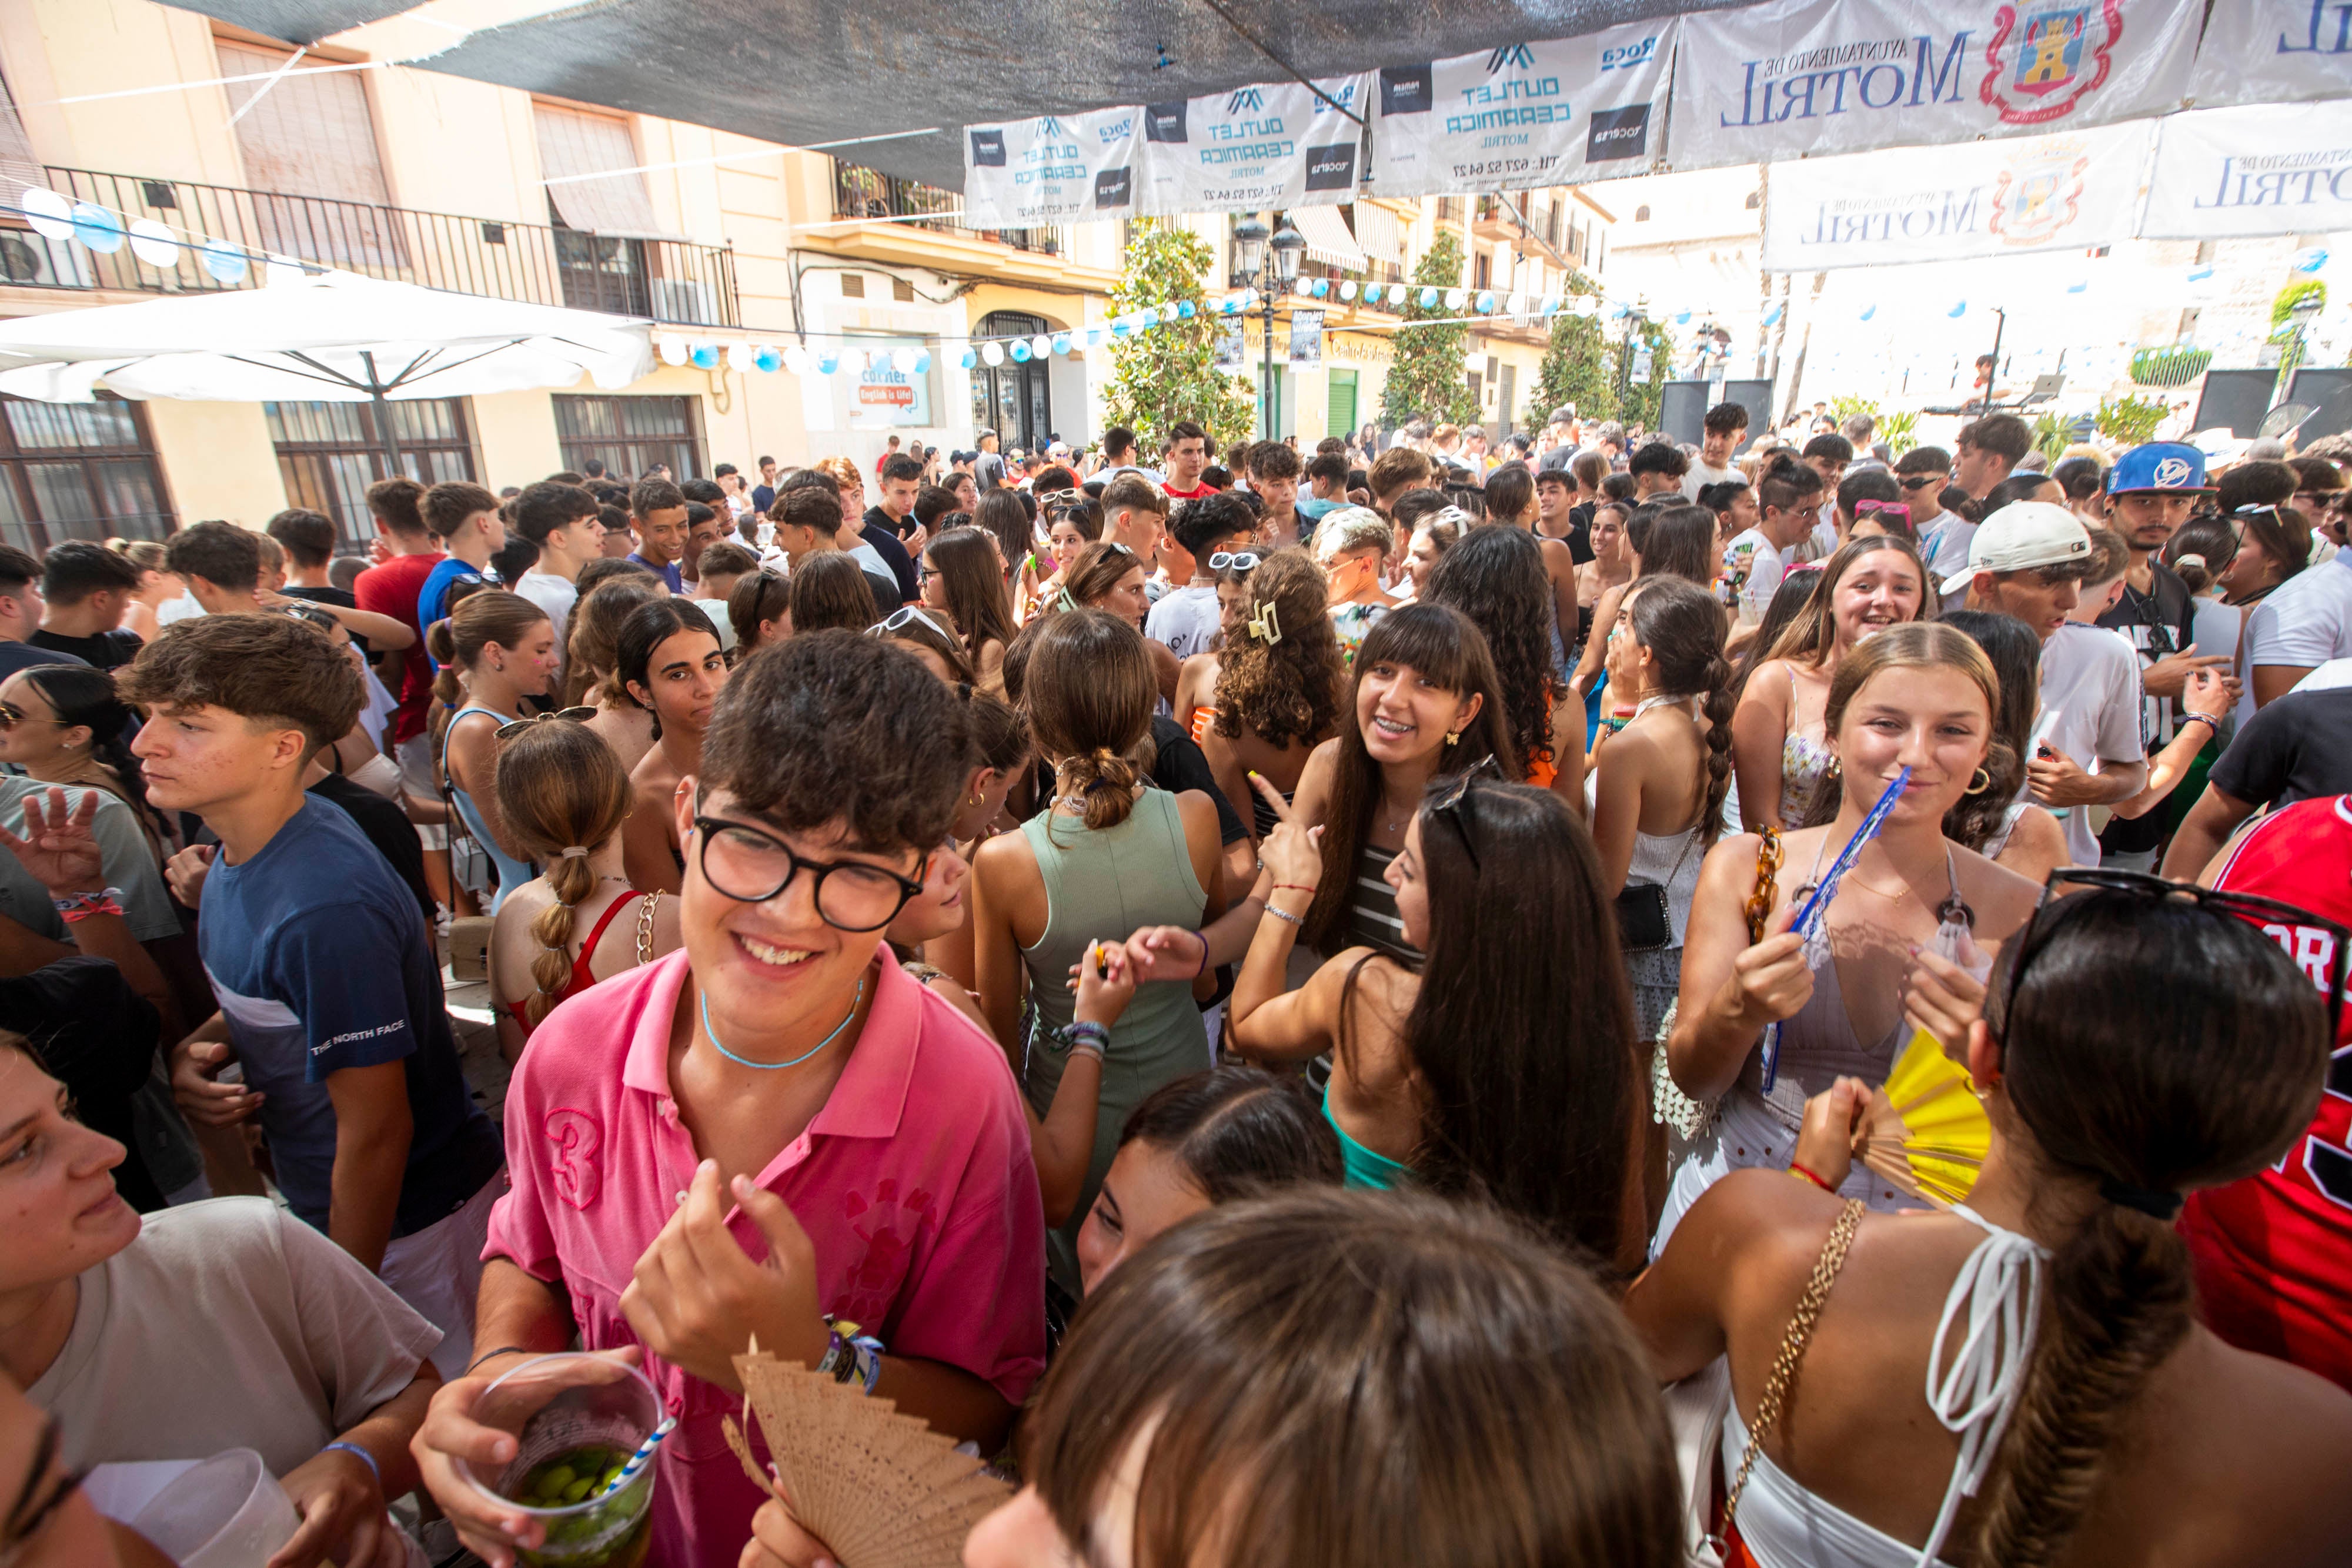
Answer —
1979 781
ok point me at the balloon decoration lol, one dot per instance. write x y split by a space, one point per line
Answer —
1959 309
97 228
706 356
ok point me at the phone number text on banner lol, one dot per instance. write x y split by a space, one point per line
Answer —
2068 190
1272 145
1525 115
1055 169
1798 77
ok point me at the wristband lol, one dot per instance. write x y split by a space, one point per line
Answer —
1285 914
850 1355
74 905
1084 1039
2204 718
1294 887
502 1350
373 1468
1802 1174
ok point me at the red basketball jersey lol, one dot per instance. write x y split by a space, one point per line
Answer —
2273 1252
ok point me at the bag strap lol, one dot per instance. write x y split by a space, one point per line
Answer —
645 908
1792 1346
1767 869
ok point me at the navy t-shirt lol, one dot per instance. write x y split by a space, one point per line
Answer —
320 960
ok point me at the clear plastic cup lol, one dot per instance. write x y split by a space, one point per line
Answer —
576 1419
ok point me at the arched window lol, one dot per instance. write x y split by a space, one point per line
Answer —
1640 214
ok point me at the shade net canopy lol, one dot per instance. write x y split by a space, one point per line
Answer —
818 72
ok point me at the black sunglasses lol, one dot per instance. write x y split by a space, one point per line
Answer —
2251 908
1451 796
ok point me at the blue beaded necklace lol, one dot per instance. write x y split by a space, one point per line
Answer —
712 1035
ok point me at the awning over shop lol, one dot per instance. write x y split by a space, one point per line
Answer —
1327 239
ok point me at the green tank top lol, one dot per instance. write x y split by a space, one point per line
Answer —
1363 1166
1109 882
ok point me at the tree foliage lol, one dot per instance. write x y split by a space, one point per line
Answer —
1169 372
1425 380
1579 365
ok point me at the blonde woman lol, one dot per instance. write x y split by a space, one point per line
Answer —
563 796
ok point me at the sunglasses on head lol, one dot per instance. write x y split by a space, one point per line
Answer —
1234 560
568 715
903 617
1451 798
1882 508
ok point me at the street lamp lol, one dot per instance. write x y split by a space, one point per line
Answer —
1270 275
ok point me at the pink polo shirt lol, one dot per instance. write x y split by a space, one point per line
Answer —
915 1183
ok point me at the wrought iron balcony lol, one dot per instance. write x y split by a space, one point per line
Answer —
862 193
670 280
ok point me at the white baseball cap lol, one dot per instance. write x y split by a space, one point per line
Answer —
2020 535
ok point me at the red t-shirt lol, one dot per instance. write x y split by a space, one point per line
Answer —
391 589
1194 494
2273 1251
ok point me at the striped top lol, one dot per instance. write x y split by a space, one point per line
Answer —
1371 919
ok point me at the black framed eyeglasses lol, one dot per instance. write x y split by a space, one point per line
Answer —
2251 908
751 866
1452 797
569 715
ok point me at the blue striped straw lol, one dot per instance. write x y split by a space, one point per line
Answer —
644 1452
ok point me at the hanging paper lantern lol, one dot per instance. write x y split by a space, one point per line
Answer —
1867 312
706 356
903 360
154 243
50 214
1455 298
1959 309
673 350
1347 290
1322 289
1061 342
1517 305
853 360
2199 274
766 359
738 356
1550 305
1250 298
968 358
2079 285
1185 310
1486 302
991 354
1682 318
1021 354
2310 258
1429 299
97 228
797 360
227 265
827 363
922 360
1040 346
1120 327
1147 318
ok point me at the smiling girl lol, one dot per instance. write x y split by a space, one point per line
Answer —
1779 742
1920 696
670 664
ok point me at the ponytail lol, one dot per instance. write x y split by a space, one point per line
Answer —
1682 626
562 793
1717 711
1090 690
1106 781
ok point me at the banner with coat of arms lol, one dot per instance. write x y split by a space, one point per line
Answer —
1055 169
1526 115
1277 144
2274 51
1803 78
2061 191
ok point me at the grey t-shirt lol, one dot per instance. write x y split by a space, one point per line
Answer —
988 470
228 1324
125 861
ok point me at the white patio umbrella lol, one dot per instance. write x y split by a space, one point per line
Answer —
327 337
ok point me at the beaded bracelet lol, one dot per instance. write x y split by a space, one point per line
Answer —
1084 1037
1285 914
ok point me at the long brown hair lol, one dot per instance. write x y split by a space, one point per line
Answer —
591 653
761 595
1682 626
1282 682
1090 690
2153 1046
1496 577
1445 648
1926 646
1274 1353
977 595
492 615
560 788
1095 570
828 593
1808 637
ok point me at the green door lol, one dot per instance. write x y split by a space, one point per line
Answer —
1340 419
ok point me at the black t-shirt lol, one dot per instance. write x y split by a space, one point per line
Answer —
2158 622
1579 538
1181 764
878 529
106 651
15 656
2298 748
387 827
341 598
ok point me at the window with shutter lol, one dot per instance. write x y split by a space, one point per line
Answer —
572 144
18 167
309 154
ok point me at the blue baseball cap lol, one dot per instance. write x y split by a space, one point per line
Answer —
2158 465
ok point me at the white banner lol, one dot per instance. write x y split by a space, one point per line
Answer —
1797 77
2266 169
2065 191
1524 114
2274 51
1273 145
1056 169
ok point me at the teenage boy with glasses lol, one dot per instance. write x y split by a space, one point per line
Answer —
773 1125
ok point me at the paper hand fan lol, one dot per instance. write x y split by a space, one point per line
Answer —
1924 1131
882 1489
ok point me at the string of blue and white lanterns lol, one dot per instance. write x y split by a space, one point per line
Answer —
103 230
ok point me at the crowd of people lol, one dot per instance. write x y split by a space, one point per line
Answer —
1308 1007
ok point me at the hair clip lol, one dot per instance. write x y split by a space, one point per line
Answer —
1265 625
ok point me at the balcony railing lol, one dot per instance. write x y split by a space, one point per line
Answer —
861 192
670 280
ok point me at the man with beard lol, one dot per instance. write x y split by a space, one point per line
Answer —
2151 492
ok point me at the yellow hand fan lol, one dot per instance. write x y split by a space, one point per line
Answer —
1925 1130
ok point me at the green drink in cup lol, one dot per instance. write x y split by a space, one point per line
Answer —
577 1420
